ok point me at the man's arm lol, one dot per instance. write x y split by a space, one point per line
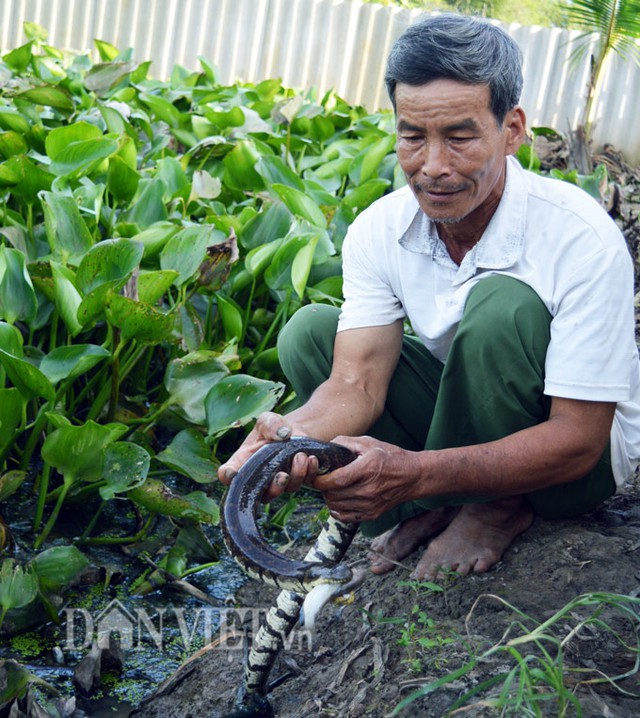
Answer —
562 449
347 403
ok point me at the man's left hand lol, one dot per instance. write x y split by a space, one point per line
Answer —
380 478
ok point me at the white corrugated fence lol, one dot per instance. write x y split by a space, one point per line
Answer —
340 44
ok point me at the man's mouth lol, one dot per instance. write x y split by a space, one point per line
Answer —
438 193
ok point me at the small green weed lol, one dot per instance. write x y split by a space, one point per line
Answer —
531 675
424 640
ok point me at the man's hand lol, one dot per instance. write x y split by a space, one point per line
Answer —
348 402
271 427
380 478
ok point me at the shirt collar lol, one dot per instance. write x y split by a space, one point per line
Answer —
501 244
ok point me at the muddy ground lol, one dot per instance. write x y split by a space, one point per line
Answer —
359 666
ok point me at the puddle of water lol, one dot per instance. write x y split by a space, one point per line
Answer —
158 632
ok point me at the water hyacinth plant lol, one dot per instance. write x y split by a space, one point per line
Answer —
154 237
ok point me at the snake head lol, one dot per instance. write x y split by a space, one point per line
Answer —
320 573
323 593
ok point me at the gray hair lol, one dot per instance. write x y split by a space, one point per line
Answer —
460 48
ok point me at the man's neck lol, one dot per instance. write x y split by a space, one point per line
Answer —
459 237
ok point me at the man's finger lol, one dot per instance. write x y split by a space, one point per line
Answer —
226 474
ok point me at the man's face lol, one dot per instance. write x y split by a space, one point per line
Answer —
452 150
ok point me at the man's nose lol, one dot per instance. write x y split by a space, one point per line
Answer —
435 160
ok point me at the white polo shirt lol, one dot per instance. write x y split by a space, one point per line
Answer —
548 234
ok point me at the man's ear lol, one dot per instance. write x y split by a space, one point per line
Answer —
515 123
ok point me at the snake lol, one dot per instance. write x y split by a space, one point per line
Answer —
319 573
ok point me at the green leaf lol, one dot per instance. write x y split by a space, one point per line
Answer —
94 304
69 362
109 260
278 274
106 50
122 181
191 328
237 400
149 207
82 158
258 259
67 233
126 466
267 226
274 171
366 163
59 567
224 119
361 197
19 58
301 266
18 586
67 297
15 682
153 285
188 379
35 32
24 178
51 95
60 138
205 506
300 205
155 496
26 378
185 251
154 238
595 183
11 119
12 413
103 76
10 481
138 321
11 339
17 295
77 451
161 108
239 168
231 316
12 143
189 454
174 178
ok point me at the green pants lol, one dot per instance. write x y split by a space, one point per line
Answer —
490 386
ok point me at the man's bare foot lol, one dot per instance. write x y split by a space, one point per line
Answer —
402 540
476 538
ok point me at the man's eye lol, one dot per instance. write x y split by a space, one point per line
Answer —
411 138
460 140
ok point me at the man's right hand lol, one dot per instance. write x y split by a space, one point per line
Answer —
271 427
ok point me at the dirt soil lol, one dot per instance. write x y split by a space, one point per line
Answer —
359 666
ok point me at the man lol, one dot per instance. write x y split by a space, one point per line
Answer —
519 394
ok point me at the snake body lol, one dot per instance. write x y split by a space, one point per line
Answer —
261 561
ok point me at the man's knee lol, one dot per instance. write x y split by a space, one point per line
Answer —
307 340
500 301
502 310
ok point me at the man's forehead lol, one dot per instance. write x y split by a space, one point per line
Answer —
464 99
444 86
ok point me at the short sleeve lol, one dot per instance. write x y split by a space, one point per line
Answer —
367 266
592 333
